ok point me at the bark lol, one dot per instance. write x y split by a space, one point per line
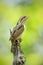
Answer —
19 58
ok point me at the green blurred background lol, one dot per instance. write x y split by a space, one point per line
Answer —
32 44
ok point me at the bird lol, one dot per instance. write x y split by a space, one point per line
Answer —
19 28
